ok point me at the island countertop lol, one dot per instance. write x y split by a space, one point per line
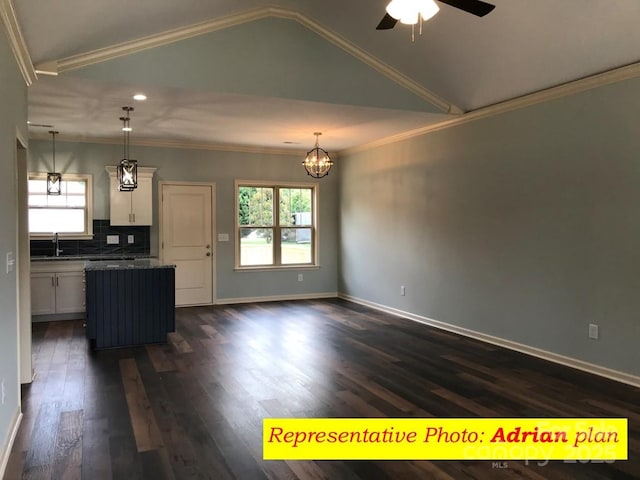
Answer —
122 264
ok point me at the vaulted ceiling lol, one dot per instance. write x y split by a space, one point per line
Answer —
254 73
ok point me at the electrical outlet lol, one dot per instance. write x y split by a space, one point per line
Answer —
593 331
300 277
402 290
130 239
4 396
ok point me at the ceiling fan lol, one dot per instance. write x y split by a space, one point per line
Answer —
474 7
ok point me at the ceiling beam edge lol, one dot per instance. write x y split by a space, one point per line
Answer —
81 60
367 58
16 40
616 75
150 142
127 48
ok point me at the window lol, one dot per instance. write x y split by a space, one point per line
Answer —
69 213
276 225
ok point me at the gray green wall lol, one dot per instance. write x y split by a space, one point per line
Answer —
223 168
13 119
524 226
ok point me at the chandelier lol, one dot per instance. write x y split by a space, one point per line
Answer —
317 163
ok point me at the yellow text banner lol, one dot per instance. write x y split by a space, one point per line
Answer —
445 439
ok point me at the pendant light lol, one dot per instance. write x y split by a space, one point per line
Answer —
317 163
54 179
128 168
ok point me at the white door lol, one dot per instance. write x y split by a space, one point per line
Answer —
186 240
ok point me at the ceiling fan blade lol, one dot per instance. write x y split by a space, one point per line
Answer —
475 7
387 22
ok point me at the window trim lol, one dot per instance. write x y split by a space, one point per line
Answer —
315 228
88 210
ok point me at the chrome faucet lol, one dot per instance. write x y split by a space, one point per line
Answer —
56 241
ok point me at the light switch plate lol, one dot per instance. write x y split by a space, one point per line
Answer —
223 237
130 239
113 239
11 262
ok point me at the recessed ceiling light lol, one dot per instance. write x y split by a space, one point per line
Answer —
140 97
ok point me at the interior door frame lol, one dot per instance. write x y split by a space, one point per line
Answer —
214 251
23 262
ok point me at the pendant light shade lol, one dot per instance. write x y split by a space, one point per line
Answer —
128 168
54 179
317 163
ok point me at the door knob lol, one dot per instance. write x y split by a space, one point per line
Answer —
208 254
208 246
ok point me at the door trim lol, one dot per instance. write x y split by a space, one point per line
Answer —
214 243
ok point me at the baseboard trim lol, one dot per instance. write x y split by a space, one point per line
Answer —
276 298
6 452
611 374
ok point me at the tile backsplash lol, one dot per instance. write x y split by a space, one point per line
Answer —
98 245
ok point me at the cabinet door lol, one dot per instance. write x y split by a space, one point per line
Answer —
120 204
131 208
43 293
142 203
69 292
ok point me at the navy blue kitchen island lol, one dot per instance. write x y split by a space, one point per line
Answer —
129 302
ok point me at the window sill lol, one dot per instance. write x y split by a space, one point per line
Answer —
271 268
62 236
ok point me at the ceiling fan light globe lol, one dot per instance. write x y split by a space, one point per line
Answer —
428 8
399 8
410 18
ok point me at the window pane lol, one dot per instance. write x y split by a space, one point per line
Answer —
49 220
75 186
296 245
244 194
76 201
295 206
56 200
256 246
37 200
37 186
255 206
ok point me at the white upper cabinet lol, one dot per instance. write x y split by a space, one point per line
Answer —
135 207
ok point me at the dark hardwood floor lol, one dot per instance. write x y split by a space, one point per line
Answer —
193 408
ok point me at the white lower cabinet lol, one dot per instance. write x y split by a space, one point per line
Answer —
57 288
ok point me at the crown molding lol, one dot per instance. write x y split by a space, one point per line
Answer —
185 145
616 75
127 48
16 40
